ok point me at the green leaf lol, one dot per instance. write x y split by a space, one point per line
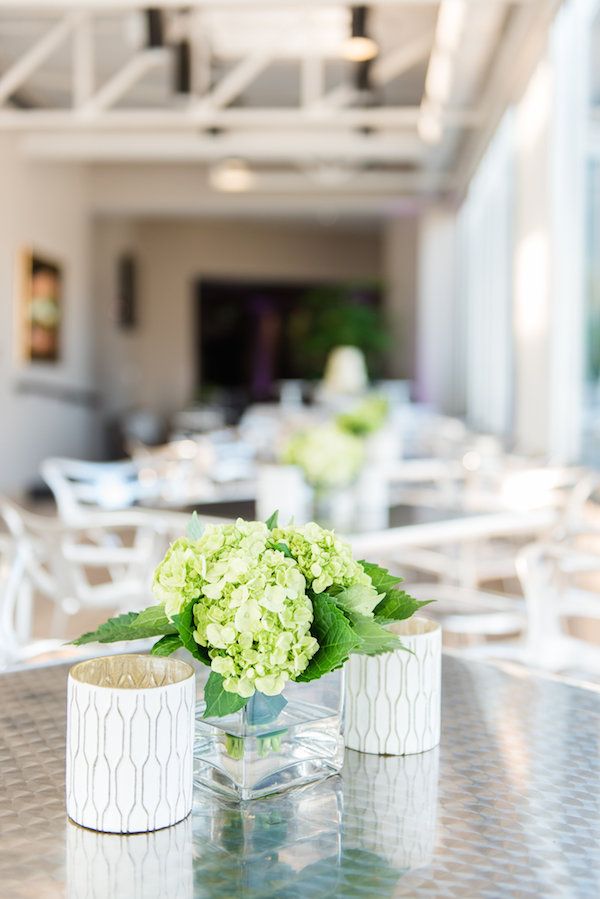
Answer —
155 617
195 529
283 548
398 605
219 701
152 622
358 598
272 520
381 578
184 622
262 709
374 637
335 637
166 645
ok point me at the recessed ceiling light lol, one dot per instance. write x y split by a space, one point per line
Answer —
232 176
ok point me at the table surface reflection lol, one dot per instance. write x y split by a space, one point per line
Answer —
509 805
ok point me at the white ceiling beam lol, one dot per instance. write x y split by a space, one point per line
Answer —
311 81
110 6
398 61
131 120
234 82
36 55
83 62
281 148
123 80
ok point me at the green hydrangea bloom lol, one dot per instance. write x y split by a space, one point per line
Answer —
178 578
328 456
252 613
326 561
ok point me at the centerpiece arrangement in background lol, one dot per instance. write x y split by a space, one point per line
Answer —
330 460
274 612
331 457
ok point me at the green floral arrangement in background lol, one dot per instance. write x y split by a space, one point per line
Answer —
263 605
366 418
328 456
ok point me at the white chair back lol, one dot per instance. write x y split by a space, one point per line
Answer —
549 573
80 486
95 568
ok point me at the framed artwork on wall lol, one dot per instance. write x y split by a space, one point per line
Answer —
40 306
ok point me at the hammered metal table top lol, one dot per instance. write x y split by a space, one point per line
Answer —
508 806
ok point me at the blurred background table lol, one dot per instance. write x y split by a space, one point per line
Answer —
507 806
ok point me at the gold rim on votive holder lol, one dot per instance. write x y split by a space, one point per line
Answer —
131 671
415 627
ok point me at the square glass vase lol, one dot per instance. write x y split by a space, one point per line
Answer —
274 743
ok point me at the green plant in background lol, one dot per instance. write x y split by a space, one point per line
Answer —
334 316
366 418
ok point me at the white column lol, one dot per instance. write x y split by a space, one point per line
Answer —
436 335
486 247
550 241
400 271
571 56
532 263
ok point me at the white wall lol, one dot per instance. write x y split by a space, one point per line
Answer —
44 206
437 365
154 366
400 239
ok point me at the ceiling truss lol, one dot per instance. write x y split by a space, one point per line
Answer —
334 125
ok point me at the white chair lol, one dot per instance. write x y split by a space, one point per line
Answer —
80 487
80 568
16 643
466 552
471 613
549 573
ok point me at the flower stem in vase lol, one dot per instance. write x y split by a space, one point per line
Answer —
260 709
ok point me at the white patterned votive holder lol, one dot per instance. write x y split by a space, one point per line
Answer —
393 700
130 735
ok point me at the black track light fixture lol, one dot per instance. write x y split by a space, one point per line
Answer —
183 67
155 28
360 47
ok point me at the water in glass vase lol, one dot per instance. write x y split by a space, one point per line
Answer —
274 743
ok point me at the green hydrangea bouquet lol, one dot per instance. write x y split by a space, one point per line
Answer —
328 456
263 605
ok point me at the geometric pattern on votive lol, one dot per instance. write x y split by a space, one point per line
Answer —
129 756
393 700
507 806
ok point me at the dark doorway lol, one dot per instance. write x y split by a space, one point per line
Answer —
250 335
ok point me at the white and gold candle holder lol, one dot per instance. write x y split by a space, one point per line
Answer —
393 700
130 732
